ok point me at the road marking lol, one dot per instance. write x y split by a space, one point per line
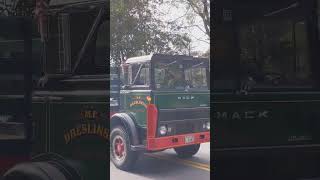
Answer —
197 165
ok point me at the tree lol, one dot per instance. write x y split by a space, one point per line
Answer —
202 9
192 17
17 7
135 30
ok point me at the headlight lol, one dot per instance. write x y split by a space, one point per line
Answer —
208 125
204 125
163 130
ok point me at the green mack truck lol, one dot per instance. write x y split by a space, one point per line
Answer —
266 85
164 103
54 93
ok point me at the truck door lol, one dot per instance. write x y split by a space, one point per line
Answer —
274 102
75 92
82 132
134 99
224 85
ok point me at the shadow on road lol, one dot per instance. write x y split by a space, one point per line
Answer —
152 167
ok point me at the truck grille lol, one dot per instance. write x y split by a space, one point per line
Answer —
184 128
183 113
183 120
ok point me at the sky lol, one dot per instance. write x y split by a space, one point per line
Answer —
199 38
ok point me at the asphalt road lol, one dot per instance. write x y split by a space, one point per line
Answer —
263 168
166 166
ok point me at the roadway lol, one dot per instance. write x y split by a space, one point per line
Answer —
166 166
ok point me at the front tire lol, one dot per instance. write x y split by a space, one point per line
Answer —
120 152
187 151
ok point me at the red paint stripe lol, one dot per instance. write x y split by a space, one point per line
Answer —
111 114
168 142
152 118
6 162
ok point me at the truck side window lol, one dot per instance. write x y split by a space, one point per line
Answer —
275 52
96 51
140 74
225 60
102 48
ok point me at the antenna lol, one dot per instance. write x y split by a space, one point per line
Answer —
294 5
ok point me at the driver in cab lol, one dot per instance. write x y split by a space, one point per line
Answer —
176 81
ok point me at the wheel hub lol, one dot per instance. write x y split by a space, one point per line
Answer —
119 148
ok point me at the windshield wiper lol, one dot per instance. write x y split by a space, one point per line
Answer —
197 65
170 63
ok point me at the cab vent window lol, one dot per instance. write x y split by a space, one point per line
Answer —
140 74
102 48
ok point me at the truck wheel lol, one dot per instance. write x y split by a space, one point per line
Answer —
120 152
187 151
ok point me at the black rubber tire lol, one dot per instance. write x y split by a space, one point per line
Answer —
131 156
187 151
34 171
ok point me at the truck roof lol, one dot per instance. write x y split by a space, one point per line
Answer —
151 57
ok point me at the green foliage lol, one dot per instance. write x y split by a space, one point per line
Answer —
135 30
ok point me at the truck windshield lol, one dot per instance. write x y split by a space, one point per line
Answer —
181 75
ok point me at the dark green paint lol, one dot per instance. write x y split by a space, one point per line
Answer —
139 111
56 117
181 99
292 119
163 100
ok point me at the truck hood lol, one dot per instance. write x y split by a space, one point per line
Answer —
178 99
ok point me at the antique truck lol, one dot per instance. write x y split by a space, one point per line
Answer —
164 103
266 87
54 93
115 85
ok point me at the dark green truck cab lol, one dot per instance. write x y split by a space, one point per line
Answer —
164 103
68 95
266 82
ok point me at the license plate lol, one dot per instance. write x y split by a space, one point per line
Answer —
189 139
